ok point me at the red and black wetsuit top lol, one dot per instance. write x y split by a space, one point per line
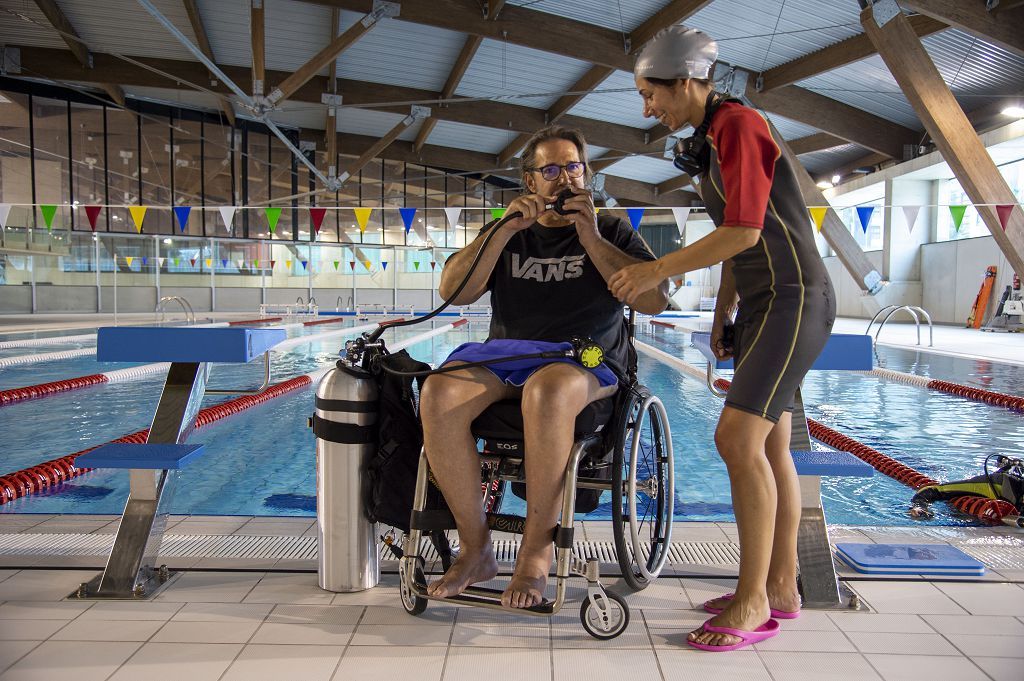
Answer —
750 183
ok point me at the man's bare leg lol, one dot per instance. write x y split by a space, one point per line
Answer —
448 405
552 398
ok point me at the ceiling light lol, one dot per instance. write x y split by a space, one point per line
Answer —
835 179
824 184
1015 111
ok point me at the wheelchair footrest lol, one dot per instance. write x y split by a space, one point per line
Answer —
482 595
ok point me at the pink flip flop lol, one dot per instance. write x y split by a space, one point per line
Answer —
747 638
777 614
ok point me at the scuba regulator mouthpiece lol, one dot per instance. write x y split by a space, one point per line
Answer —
558 205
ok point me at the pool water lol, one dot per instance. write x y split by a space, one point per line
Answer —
261 461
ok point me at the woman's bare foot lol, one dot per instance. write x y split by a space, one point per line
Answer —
526 588
736 615
470 567
781 601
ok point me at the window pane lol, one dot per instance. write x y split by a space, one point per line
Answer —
156 175
123 171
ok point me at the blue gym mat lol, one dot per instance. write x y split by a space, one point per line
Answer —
909 559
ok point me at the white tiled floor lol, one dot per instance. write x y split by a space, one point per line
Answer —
205 625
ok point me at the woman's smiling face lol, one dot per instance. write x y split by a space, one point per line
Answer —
662 102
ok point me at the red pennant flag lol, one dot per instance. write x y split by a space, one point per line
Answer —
317 215
433 264
193 261
352 265
1004 214
272 262
94 211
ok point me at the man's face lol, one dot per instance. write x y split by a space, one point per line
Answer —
555 152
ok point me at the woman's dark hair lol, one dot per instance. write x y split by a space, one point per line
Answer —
528 160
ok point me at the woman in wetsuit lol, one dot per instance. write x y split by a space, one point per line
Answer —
786 309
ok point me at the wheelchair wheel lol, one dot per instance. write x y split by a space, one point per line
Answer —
608 621
642 489
413 604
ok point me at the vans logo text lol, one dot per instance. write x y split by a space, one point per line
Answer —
548 269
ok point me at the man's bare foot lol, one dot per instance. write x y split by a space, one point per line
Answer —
736 615
469 568
526 588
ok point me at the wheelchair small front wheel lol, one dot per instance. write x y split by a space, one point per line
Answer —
605 615
413 604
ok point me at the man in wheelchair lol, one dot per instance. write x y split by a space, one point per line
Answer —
547 274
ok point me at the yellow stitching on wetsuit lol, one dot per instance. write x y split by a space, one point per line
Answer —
771 301
800 310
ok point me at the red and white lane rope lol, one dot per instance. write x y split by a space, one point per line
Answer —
977 394
42 476
992 510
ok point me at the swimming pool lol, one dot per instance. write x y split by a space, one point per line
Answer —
261 461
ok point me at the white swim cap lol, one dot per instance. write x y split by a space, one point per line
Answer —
677 52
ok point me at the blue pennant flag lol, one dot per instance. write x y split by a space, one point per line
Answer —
224 262
181 212
384 264
407 216
864 213
144 259
635 216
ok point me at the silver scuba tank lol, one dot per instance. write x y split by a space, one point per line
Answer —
345 424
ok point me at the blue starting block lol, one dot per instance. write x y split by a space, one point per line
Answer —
131 570
934 560
818 581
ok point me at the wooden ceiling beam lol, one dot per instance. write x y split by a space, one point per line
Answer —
258 40
819 141
972 17
839 54
950 130
203 42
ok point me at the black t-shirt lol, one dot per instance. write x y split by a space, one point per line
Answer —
545 287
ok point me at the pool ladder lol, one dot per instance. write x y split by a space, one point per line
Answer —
190 315
913 310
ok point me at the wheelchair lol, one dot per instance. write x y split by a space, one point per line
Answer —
623 445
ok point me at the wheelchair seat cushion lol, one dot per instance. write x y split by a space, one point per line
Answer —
504 420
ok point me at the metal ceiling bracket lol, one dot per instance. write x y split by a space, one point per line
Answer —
647 137
884 11
382 9
257 4
738 83
416 113
627 44
333 103
759 83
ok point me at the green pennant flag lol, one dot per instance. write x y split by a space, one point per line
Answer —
497 213
273 215
416 265
958 215
48 210
335 264
256 263
176 261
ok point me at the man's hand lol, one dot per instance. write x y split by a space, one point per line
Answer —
585 217
629 283
532 206
721 351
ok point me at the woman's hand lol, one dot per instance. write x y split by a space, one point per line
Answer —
629 283
721 351
532 206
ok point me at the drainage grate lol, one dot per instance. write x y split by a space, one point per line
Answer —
996 557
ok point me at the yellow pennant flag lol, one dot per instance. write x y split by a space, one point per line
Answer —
818 215
288 264
367 264
597 211
362 217
129 259
138 215
209 262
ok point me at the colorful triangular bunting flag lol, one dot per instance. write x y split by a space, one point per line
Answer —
336 265
497 213
272 263
864 215
352 265
48 210
957 212
818 215
227 214
182 213
304 263
1003 212
453 216
383 263
193 261
407 216
160 262
287 264
92 212
144 261
138 215
362 217
433 264
273 215
128 259
209 263
635 216
223 262
910 216
416 265
316 215
681 215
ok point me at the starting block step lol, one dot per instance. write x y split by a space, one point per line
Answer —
909 559
150 456
841 464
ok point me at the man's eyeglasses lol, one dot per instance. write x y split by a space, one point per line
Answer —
551 171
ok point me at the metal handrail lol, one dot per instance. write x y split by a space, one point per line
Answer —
913 310
254 391
190 315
